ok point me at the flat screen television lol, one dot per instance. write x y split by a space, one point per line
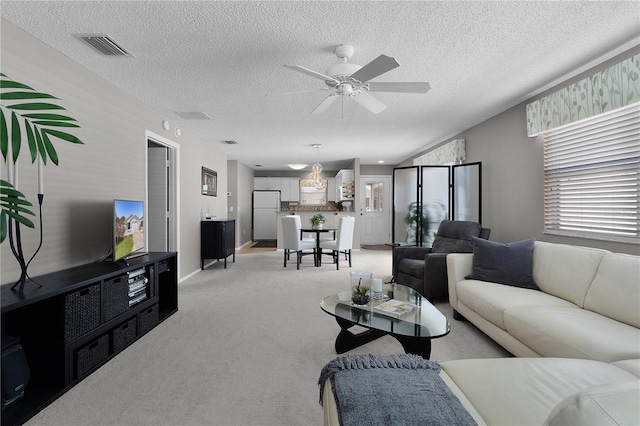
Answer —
128 229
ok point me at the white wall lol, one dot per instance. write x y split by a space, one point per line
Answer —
111 164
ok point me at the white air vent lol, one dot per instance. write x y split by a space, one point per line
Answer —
193 115
104 44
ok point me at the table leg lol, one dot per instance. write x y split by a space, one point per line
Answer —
347 340
318 252
415 345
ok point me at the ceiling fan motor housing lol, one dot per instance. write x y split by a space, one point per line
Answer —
344 51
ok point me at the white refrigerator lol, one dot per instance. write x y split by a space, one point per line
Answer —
266 205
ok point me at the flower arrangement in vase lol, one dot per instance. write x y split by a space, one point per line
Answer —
318 220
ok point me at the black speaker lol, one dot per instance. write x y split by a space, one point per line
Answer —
15 371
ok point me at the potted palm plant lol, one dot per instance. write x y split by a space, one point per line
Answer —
31 115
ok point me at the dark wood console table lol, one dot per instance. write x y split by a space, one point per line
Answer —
217 240
80 318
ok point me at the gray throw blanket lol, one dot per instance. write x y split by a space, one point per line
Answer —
391 390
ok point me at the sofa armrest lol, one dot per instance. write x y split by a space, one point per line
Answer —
435 275
459 265
407 252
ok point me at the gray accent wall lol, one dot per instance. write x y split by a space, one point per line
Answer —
513 175
111 164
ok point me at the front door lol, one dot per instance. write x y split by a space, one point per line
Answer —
375 209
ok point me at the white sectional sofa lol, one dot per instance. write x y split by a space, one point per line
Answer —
576 341
588 305
532 391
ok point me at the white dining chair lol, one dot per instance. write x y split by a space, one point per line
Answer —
343 242
299 223
293 243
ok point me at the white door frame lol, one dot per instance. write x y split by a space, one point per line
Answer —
383 219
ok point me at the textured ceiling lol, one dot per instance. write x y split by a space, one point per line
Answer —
225 59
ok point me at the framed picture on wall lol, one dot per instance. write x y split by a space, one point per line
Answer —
209 182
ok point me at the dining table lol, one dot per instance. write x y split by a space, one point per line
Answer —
318 231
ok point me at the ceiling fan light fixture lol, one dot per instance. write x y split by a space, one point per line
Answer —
342 70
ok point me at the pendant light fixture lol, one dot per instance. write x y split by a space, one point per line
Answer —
316 169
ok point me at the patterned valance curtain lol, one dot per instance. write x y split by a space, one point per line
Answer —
612 88
450 153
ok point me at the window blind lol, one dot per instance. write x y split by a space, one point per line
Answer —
592 177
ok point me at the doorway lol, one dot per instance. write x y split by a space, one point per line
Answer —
162 194
375 209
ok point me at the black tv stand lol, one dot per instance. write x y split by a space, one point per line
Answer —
82 317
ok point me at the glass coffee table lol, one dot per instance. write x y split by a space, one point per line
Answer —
414 330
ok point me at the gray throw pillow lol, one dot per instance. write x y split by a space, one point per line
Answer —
510 264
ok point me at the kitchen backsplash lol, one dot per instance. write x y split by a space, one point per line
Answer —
331 206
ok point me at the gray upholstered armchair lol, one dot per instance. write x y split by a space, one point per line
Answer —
425 268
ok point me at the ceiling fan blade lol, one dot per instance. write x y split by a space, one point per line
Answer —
406 87
325 104
312 73
369 102
378 66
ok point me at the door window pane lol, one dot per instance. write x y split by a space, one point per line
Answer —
373 197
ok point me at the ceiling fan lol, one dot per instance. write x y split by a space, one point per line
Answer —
351 80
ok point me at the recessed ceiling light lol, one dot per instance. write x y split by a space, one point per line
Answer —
380 161
297 166
258 165
316 145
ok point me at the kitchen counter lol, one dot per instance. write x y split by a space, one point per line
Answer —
329 207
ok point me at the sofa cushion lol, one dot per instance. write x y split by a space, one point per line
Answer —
510 264
612 404
565 271
455 236
630 365
554 331
490 300
413 267
523 391
615 290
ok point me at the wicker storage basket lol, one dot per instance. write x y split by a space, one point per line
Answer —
82 312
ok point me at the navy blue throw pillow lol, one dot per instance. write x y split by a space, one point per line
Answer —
510 264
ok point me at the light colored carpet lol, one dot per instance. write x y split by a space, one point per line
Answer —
245 348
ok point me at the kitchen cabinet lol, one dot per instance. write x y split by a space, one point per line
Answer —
294 189
332 194
345 185
267 183
289 187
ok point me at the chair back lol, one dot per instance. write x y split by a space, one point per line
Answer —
297 218
454 236
291 232
344 237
